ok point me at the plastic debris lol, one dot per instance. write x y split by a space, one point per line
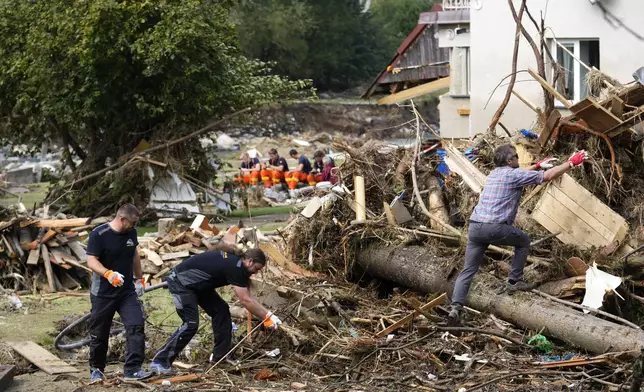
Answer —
541 343
597 284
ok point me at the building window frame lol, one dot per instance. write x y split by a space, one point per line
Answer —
574 45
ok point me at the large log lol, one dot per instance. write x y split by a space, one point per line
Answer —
421 269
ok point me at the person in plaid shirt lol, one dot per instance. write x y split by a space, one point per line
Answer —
492 221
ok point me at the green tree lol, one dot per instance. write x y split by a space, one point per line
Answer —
397 18
332 42
101 75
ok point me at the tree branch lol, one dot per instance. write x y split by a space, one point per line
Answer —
515 55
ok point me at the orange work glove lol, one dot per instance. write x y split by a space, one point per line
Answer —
116 279
271 321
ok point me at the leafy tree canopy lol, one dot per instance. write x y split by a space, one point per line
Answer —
103 74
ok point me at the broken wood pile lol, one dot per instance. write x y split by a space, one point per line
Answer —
44 255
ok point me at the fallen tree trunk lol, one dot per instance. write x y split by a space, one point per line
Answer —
421 269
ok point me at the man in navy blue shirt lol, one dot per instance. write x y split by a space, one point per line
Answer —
301 172
116 283
192 285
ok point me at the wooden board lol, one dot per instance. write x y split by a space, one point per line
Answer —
596 116
414 92
48 270
6 376
61 223
459 164
153 257
550 89
46 361
71 260
78 250
580 217
551 124
34 256
278 258
57 258
175 255
407 319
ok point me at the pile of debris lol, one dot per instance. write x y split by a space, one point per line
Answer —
45 255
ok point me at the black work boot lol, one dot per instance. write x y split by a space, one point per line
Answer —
454 316
519 285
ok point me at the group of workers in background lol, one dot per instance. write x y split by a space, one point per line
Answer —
276 171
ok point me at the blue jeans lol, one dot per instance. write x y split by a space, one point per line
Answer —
482 235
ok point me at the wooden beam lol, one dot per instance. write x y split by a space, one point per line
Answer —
550 89
415 92
526 101
407 319
48 270
78 250
551 123
61 223
34 256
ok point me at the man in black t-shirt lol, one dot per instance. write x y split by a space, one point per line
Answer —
116 284
193 284
301 172
276 166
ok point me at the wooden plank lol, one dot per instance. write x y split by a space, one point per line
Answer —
71 260
551 123
276 256
78 250
61 223
48 269
415 92
407 319
459 164
57 258
177 379
550 89
7 372
389 214
590 220
46 361
584 235
161 273
580 217
596 116
617 107
589 202
175 255
526 101
48 236
153 257
34 256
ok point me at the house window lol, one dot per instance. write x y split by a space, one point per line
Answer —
572 83
460 75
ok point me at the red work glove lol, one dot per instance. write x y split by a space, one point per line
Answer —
139 286
546 163
577 158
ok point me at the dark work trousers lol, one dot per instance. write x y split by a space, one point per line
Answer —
129 308
187 303
482 235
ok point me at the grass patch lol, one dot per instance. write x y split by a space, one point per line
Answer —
41 315
37 195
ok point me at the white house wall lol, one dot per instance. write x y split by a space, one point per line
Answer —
492 42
